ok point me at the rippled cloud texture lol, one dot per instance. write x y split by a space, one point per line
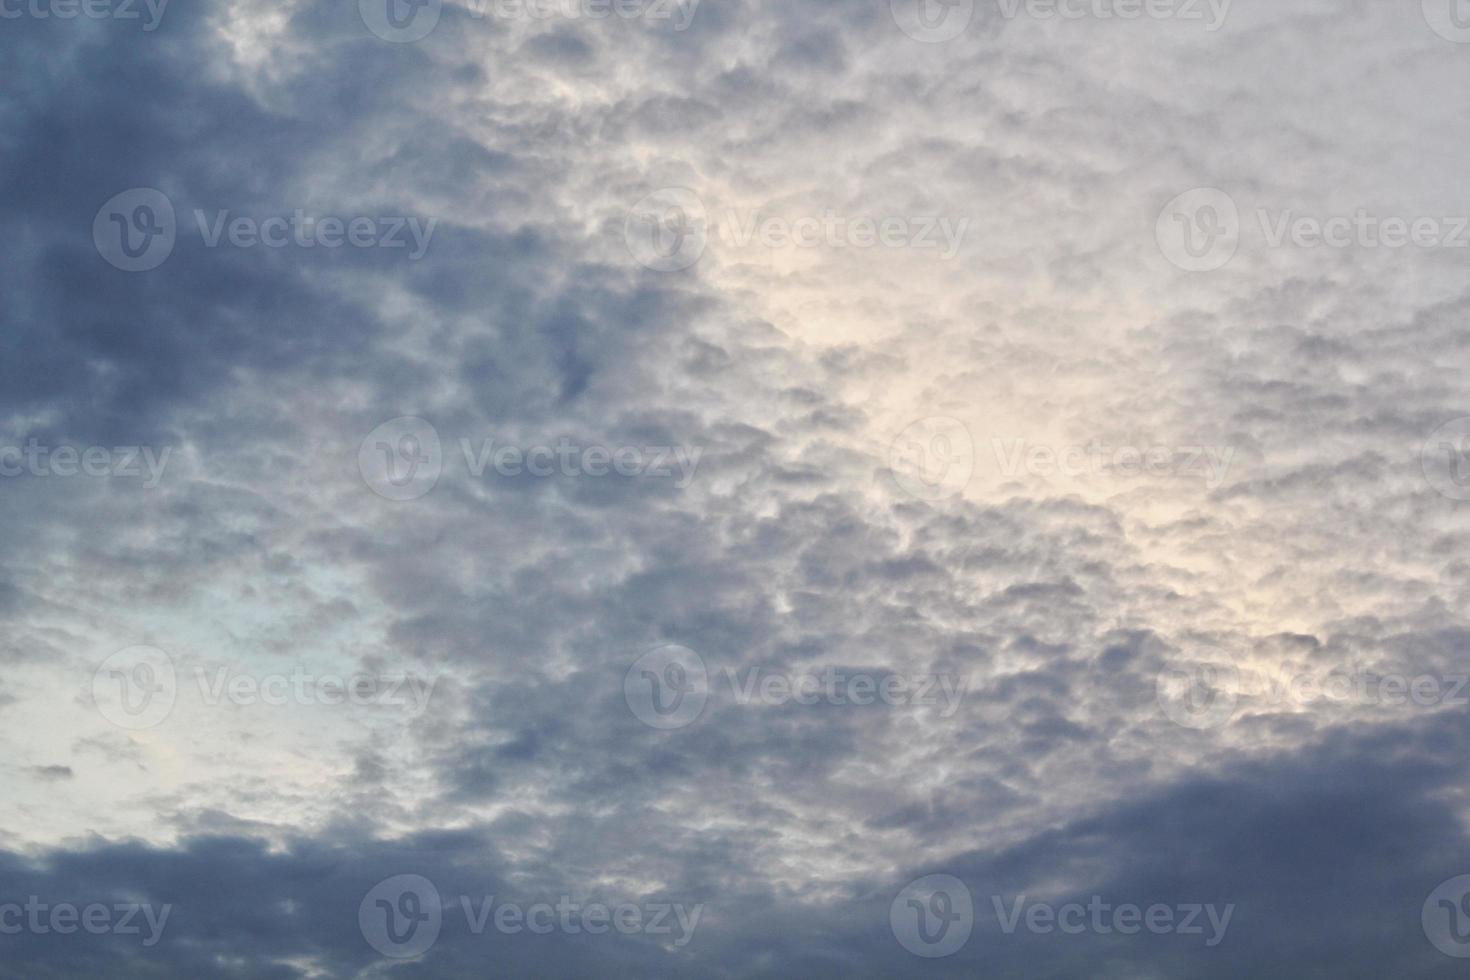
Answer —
660 488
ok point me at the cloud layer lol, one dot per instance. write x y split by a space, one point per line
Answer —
1004 478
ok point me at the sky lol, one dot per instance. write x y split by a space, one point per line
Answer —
734 488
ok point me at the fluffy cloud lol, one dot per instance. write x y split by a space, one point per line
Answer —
910 387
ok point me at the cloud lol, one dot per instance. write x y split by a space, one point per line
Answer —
1141 468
